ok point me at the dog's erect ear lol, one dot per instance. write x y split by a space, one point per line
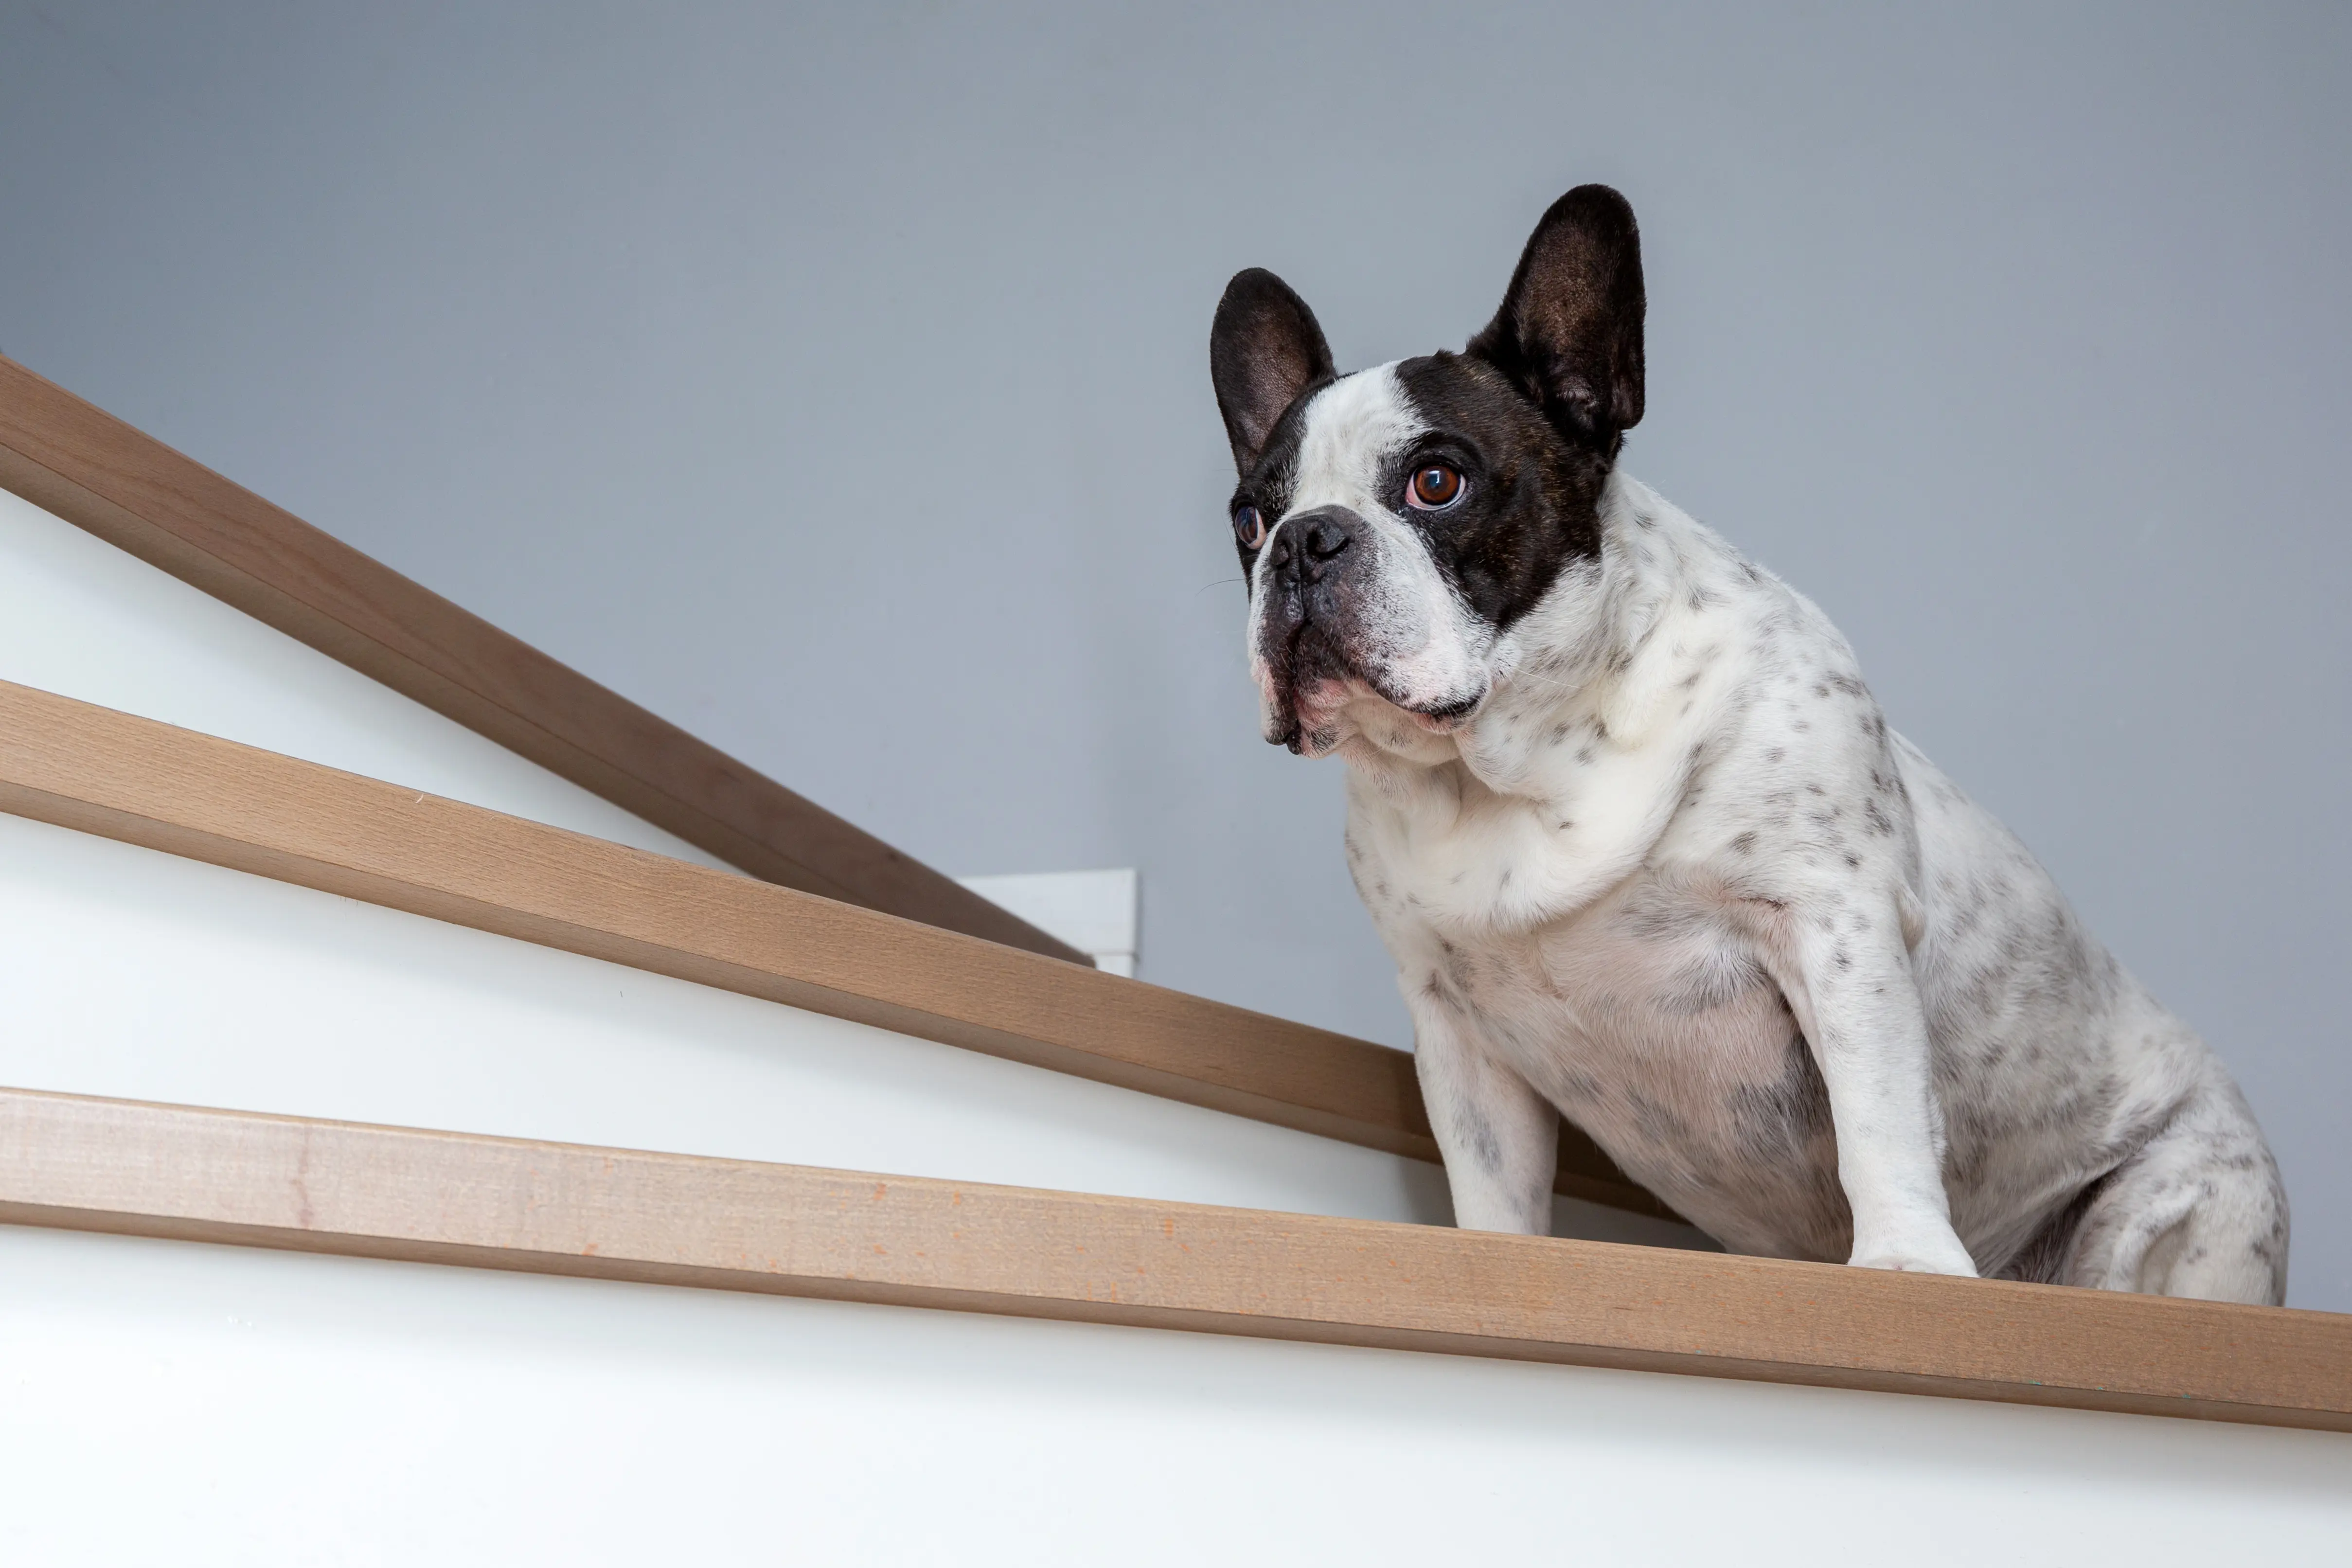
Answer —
1263 350
1569 331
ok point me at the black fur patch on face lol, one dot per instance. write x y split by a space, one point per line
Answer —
1531 412
1529 506
1531 501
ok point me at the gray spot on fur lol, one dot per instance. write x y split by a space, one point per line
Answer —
1780 1119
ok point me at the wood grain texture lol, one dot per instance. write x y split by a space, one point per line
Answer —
440 1197
150 783
90 469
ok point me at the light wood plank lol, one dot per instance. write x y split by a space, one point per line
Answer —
90 469
451 1198
145 783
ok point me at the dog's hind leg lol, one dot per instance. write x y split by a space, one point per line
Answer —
2199 1211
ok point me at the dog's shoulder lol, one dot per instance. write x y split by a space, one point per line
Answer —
1676 701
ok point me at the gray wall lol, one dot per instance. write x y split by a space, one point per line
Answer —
834 383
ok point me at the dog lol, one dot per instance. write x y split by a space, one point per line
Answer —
1646 854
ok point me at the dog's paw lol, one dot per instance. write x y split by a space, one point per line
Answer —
1917 1258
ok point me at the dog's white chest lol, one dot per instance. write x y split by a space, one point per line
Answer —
1642 1012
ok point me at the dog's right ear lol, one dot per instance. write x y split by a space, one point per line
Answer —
1569 331
1263 350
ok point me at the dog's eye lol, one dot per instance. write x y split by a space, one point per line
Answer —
1434 486
1249 527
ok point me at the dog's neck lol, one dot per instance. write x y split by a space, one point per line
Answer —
1598 666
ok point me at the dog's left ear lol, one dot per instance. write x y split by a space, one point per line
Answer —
1569 331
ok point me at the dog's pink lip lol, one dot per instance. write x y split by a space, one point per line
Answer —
1311 708
1445 718
1307 706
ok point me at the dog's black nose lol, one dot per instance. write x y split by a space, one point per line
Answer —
1306 545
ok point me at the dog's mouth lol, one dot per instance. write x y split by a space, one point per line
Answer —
1316 677
1305 677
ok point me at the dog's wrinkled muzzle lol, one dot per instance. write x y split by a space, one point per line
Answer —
1310 582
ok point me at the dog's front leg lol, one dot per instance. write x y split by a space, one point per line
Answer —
1499 1137
1852 989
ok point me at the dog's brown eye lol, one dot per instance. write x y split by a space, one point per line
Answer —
1434 486
1249 527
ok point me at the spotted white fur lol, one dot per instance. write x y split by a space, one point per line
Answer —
1675 877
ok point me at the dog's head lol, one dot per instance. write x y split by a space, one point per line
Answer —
1396 523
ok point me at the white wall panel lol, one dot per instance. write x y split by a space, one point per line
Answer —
86 620
130 973
168 1402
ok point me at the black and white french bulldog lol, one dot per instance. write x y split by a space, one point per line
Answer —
1646 853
